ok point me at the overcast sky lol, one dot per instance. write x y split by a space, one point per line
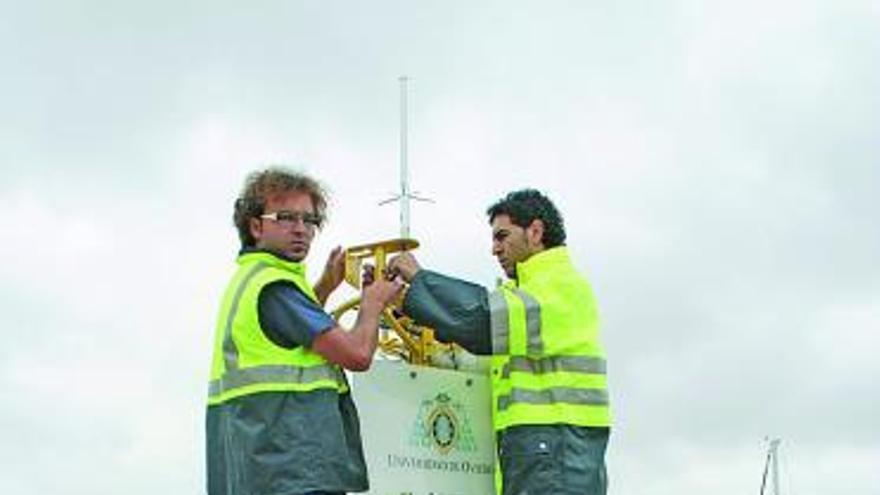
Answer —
717 163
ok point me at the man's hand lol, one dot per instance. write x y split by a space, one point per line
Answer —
353 350
405 265
334 274
381 293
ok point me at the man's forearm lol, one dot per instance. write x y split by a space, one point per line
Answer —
365 333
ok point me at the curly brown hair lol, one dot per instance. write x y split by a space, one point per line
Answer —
261 184
527 205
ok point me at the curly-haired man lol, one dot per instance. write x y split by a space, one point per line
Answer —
280 418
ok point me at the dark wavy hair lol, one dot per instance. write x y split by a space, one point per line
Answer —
525 206
261 184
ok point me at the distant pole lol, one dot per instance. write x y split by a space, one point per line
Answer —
774 447
404 169
771 465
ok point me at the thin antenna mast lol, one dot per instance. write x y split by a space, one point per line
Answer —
404 170
405 193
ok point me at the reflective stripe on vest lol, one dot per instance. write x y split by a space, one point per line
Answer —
576 396
553 364
230 351
280 374
499 321
533 323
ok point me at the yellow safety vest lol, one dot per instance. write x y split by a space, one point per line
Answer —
245 361
548 366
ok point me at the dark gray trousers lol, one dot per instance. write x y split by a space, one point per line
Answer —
553 459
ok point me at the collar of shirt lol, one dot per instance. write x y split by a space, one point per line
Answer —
250 255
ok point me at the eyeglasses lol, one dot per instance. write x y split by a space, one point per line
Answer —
290 218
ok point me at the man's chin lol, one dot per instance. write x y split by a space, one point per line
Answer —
296 254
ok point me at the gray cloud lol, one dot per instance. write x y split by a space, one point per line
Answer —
716 165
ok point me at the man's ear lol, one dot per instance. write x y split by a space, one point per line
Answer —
535 233
256 228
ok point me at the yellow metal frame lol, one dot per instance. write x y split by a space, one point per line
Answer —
409 341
